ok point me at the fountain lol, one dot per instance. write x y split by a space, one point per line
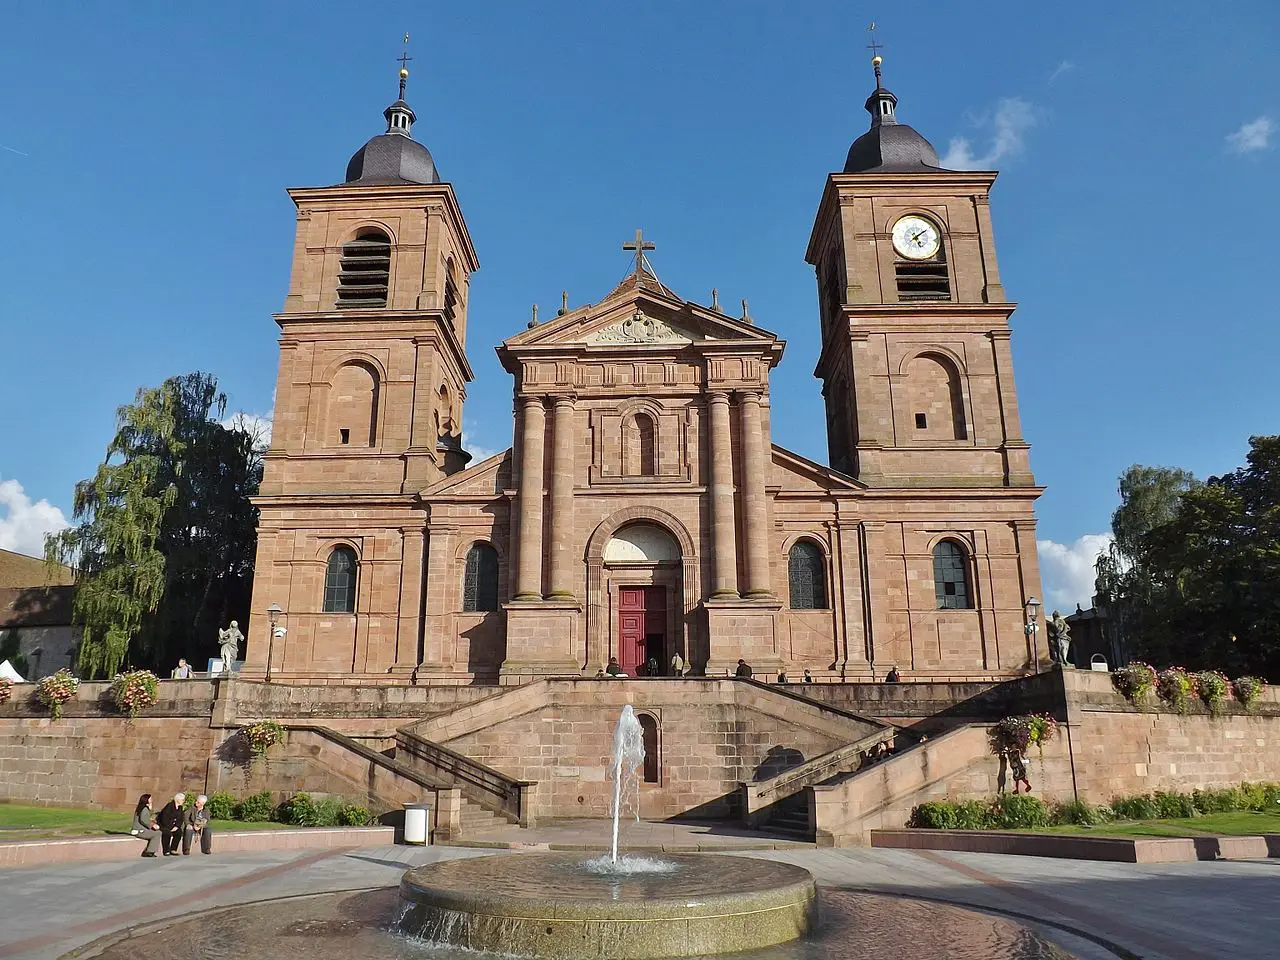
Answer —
561 906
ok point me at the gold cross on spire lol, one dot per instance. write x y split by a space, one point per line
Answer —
639 245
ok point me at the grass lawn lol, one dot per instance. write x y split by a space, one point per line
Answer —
20 822
1243 824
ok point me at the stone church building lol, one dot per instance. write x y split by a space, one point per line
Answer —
648 506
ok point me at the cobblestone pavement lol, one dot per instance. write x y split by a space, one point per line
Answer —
1185 911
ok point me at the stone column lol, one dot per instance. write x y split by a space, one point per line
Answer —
724 559
533 424
755 508
562 467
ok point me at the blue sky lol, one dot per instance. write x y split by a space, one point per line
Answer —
145 150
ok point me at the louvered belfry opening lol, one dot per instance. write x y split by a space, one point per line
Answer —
923 279
365 271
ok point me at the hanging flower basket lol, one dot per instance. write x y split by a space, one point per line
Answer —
1247 690
1016 734
1135 682
135 691
1176 687
261 736
55 690
6 690
1214 688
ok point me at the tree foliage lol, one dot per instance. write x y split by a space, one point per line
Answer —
1199 585
164 542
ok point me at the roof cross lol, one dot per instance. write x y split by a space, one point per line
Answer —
639 245
403 60
874 47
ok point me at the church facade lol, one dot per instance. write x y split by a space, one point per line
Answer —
646 507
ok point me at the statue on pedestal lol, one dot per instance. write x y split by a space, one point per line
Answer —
1059 639
229 641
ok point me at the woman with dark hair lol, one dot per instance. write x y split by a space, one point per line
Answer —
145 826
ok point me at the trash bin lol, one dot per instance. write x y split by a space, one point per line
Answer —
1099 662
417 823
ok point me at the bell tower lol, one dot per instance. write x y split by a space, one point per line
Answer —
373 373
915 362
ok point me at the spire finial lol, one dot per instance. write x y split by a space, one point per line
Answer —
875 49
715 300
746 313
533 320
564 303
403 60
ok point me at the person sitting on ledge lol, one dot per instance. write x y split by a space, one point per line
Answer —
171 824
145 826
808 677
892 676
782 676
614 669
744 670
195 823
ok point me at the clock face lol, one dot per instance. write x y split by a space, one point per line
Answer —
916 238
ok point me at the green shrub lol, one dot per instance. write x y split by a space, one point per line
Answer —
327 811
255 809
221 806
1141 807
1011 811
1173 805
972 815
353 815
1081 813
934 815
299 810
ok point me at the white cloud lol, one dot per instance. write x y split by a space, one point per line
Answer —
1252 136
1067 570
478 451
256 425
1008 125
1064 67
23 524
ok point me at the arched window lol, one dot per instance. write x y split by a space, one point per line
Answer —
649 737
935 398
364 271
353 406
951 576
450 294
480 585
340 581
807 574
640 446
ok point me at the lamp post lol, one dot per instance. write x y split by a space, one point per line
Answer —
273 617
1032 608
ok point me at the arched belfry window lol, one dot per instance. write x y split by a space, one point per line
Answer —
450 293
649 737
365 271
340 575
480 583
807 576
951 576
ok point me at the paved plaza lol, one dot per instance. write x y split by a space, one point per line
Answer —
1162 912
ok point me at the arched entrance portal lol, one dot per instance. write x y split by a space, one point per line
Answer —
642 571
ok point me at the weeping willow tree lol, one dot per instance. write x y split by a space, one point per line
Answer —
164 535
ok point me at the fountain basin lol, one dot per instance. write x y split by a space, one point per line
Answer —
552 905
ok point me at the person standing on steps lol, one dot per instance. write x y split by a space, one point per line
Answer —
744 669
677 664
144 825
892 676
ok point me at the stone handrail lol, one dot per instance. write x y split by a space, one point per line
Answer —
819 708
481 784
758 797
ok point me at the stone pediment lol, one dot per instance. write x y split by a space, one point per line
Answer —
640 328
485 480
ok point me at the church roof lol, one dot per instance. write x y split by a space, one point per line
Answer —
394 157
889 146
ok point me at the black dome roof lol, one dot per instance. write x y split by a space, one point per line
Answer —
889 146
392 158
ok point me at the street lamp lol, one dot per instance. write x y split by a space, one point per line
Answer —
273 617
1032 608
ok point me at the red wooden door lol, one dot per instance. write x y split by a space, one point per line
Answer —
642 627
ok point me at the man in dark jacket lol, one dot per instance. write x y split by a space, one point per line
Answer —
195 823
170 819
744 669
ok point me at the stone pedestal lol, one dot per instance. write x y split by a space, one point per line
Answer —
543 639
745 629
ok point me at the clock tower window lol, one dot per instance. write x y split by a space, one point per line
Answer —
923 279
365 271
